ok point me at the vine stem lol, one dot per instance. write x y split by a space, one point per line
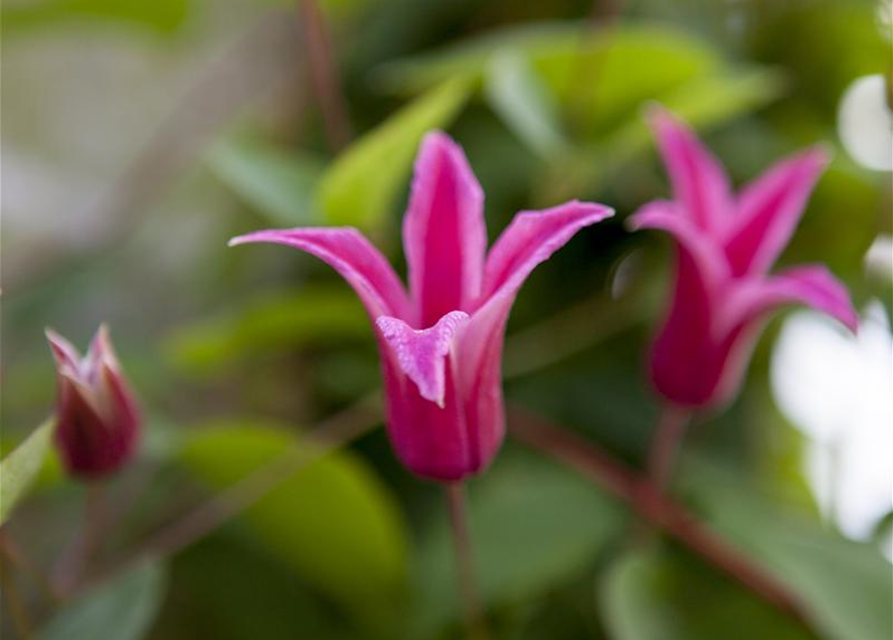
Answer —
666 443
653 506
16 607
76 557
216 511
457 507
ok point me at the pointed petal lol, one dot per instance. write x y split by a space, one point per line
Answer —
532 238
769 210
444 236
666 216
348 252
65 354
699 181
813 286
421 354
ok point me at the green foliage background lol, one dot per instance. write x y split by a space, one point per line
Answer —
176 124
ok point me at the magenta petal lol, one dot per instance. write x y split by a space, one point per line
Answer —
812 285
699 181
665 216
348 252
532 238
421 355
769 209
444 236
65 354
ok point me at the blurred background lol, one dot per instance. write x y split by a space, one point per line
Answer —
138 137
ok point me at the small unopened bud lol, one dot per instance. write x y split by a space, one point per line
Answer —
97 421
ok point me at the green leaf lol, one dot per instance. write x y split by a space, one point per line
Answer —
844 585
524 103
164 16
662 594
277 183
334 522
360 187
534 525
19 469
122 608
269 324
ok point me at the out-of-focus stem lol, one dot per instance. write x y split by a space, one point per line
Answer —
666 443
76 557
329 435
11 552
324 76
466 580
652 505
14 604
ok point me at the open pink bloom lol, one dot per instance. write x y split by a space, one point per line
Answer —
726 245
98 424
441 344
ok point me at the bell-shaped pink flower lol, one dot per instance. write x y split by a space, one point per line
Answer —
726 245
97 421
441 343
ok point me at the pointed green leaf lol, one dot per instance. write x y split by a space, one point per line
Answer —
362 184
19 469
333 521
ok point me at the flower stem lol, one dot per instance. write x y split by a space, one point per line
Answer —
666 443
652 505
11 552
20 620
467 583
329 435
76 557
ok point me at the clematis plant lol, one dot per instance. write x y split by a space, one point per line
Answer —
441 342
98 423
726 245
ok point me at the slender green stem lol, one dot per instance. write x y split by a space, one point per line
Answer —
465 574
666 443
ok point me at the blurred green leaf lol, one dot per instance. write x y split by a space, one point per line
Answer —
122 608
360 187
20 468
333 521
844 585
279 184
660 594
534 525
524 103
164 16
314 316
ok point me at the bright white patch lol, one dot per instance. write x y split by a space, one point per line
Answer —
865 123
838 389
879 259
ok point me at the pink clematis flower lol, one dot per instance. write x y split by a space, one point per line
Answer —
441 343
98 423
726 246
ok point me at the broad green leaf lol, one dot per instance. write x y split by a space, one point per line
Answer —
524 103
844 585
334 522
161 15
534 525
280 184
598 75
311 316
661 594
20 468
360 187
122 608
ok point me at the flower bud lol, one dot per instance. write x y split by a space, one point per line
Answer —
97 420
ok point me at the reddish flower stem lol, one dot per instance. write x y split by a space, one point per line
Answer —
323 70
666 443
14 604
467 583
331 434
652 505
76 557
12 552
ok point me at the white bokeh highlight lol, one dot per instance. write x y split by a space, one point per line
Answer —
838 389
865 123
